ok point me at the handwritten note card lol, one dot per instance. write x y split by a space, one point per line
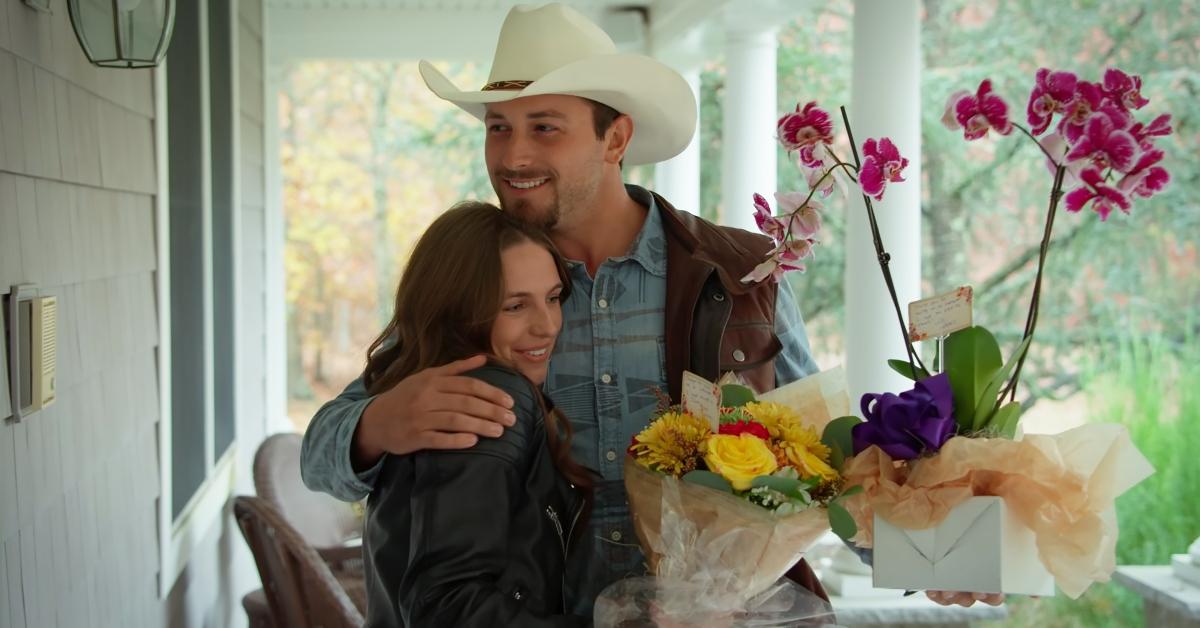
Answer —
940 315
702 398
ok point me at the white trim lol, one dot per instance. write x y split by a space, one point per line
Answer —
235 227
275 307
206 236
203 510
162 206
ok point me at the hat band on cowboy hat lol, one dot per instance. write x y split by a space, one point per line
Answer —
553 49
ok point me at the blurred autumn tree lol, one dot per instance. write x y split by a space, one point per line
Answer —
370 158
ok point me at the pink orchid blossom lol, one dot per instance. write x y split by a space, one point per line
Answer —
1050 95
1104 144
766 220
1088 99
1158 127
783 259
1123 89
982 111
881 163
804 129
1102 197
949 117
1145 178
805 216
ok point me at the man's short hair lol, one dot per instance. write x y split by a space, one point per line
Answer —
602 116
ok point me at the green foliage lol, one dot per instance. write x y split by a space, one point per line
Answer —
735 396
841 522
972 359
911 371
836 436
985 408
708 479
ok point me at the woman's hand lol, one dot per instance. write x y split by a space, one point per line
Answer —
964 598
437 408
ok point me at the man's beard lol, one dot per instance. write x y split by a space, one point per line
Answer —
523 210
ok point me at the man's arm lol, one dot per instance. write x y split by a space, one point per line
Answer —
325 462
437 408
795 360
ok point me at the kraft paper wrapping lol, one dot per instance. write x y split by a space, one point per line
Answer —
818 398
1061 486
714 541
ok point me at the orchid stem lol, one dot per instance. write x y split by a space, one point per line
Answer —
1038 143
1035 301
882 255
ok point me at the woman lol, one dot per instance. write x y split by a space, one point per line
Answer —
481 536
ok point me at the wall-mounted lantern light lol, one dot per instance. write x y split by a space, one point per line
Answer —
123 33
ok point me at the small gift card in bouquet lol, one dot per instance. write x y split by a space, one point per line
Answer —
727 491
952 497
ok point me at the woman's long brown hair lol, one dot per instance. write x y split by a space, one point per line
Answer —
449 296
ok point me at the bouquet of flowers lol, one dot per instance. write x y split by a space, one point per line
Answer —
942 462
725 500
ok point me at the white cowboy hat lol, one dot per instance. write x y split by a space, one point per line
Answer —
553 49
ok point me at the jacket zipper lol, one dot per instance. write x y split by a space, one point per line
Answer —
562 541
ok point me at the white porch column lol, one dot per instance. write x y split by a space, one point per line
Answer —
678 179
885 101
748 158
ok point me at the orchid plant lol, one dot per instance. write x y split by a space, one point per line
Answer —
1097 150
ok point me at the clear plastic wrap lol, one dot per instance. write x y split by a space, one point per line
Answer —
651 602
719 559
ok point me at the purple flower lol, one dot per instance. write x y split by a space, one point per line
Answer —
906 425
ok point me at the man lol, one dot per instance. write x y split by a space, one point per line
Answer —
655 291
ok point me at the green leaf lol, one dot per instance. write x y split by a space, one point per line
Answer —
709 479
988 402
1005 419
902 367
836 437
850 492
972 358
842 523
735 396
787 486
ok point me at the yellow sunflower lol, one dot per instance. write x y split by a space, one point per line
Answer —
806 452
775 416
798 442
673 443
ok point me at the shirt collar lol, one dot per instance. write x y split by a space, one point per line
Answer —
649 248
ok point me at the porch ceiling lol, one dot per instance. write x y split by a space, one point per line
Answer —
678 30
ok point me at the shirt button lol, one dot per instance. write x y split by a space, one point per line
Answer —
611 455
718 296
606 378
616 535
603 303
739 355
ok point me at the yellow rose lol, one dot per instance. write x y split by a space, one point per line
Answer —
740 458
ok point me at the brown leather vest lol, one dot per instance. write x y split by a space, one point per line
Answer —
715 323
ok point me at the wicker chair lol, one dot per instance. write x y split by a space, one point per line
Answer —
300 588
328 525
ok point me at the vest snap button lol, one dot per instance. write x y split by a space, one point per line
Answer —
517 594
718 296
739 355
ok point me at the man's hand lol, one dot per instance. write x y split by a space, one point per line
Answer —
963 598
437 408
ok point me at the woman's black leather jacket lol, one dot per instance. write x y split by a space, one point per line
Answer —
475 537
